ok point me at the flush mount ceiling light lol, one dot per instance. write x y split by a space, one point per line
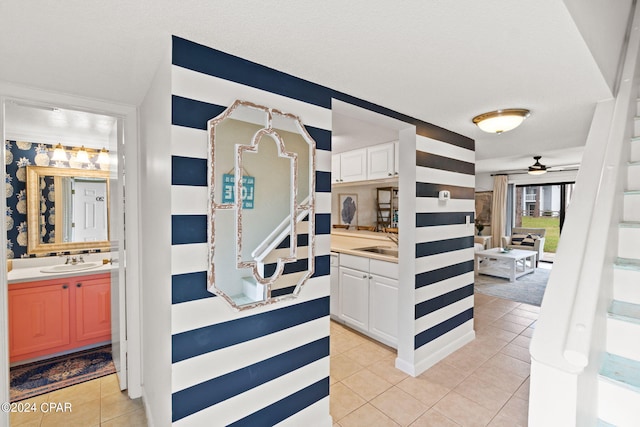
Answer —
537 168
501 120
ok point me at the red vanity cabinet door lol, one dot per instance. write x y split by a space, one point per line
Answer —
93 309
38 318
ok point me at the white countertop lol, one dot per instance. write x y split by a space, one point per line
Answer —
347 241
28 270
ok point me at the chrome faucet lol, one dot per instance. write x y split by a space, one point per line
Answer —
73 260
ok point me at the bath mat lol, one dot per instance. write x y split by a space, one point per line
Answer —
52 374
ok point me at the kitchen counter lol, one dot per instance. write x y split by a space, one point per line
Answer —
28 270
348 241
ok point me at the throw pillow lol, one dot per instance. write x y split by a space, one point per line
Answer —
530 240
517 239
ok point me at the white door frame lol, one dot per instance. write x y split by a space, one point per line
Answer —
129 115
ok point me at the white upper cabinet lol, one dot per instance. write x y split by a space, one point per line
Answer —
353 165
335 168
380 161
396 158
374 162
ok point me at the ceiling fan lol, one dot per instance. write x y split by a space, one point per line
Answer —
537 168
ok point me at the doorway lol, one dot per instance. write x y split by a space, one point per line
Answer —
543 206
50 115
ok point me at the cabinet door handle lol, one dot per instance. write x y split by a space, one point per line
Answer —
370 277
78 285
389 174
64 286
364 276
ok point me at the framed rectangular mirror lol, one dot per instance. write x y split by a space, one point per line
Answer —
67 209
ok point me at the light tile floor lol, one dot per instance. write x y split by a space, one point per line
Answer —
485 383
94 403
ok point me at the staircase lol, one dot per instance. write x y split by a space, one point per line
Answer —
619 377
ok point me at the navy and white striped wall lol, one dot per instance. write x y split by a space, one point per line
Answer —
270 365
228 367
444 247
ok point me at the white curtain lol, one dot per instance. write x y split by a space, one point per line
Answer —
499 209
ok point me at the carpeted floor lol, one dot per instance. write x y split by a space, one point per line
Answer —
52 374
528 288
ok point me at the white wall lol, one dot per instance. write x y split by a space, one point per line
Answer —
155 186
603 24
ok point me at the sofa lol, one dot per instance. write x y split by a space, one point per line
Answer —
530 239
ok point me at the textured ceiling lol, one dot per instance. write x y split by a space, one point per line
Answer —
440 61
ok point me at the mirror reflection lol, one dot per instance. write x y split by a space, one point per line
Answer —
67 209
262 175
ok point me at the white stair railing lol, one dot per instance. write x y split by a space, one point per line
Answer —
569 333
278 234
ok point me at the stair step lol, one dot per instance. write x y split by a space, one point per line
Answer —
633 175
626 280
623 330
628 238
635 149
630 224
623 371
619 391
625 311
631 210
627 264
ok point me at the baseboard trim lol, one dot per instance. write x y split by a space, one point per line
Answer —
416 368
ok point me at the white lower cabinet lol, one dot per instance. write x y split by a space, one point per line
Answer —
354 297
383 309
369 297
334 297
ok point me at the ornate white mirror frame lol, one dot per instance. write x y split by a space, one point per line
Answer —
256 285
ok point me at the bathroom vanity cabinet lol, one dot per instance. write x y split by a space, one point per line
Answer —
57 315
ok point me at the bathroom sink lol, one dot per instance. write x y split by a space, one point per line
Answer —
382 250
65 268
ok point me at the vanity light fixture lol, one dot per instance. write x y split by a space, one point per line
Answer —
82 156
103 157
59 155
500 121
537 168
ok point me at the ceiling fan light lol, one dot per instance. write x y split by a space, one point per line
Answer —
501 120
537 171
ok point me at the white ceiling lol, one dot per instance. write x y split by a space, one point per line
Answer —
440 61
43 124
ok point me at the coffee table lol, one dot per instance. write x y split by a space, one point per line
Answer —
518 262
